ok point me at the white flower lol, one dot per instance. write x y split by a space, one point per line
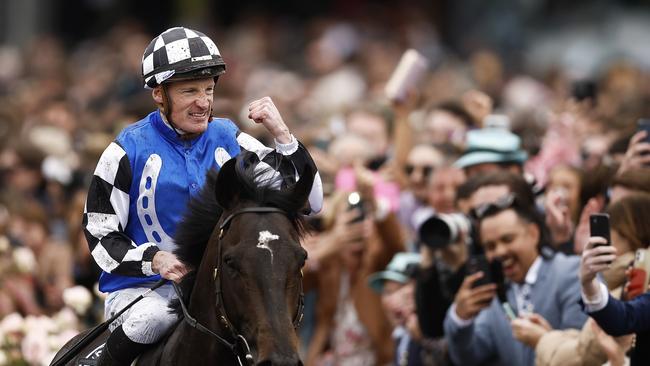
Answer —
66 319
24 259
57 341
35 346
4 246
12 323
78 298
3 358
39 323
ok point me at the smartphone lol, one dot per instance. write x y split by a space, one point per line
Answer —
410 69
599 226
584 89
476 263
356 203
643 124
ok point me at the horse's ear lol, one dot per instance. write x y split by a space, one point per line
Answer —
303 187
227 187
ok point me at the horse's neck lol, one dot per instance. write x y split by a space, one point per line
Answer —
191 346
202 303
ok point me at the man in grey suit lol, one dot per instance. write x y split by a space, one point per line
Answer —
539 284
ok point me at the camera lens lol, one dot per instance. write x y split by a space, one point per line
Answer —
441 230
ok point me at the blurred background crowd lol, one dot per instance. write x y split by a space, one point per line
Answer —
535 99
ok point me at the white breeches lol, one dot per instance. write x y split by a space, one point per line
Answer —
146 321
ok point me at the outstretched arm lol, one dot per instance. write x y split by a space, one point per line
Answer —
289 159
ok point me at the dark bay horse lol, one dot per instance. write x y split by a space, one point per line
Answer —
243 238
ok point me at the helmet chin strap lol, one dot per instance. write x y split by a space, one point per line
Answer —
167 110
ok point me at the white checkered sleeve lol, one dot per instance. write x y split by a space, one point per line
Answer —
106 214
284 165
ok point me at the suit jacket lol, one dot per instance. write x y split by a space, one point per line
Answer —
489 340
624 317
412 355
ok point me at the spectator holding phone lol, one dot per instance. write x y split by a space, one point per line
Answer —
351 327
476 326
443 268
629 233
614 316
638 151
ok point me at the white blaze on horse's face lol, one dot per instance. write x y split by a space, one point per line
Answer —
264 239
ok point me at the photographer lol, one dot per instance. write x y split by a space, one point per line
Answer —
442 269
538 283
444 254
443 242
590 345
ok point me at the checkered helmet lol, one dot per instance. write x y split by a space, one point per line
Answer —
180 53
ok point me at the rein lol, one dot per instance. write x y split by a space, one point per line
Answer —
239 346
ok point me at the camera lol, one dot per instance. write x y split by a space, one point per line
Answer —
584 89
355 202
478 263
441 230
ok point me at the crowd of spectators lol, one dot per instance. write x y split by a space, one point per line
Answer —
503 150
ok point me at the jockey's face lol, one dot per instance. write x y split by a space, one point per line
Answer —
191 103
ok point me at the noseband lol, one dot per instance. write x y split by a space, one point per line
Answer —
239 346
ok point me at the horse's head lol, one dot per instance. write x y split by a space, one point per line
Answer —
259 261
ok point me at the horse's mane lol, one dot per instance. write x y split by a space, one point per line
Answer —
204 210
240 184
198 222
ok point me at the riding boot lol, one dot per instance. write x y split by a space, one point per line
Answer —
120 350
105 359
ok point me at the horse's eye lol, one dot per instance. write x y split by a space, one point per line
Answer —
303 258
231 263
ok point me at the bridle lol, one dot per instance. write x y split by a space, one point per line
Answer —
239 346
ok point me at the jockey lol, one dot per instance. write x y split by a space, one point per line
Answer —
146 176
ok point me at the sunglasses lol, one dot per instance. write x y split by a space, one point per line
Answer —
426 169
492 208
